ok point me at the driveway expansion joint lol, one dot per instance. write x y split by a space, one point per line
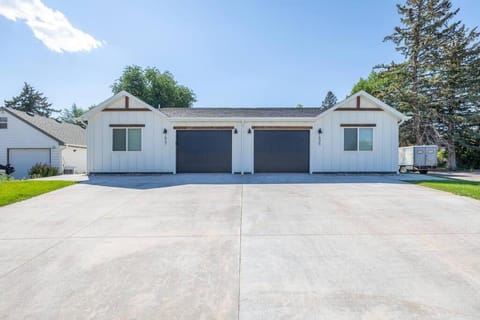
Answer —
240 251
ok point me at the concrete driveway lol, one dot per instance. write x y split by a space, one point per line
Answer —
229 247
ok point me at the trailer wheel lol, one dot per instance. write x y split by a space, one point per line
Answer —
423 171
403 169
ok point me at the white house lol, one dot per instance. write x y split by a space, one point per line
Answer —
27 139
359 134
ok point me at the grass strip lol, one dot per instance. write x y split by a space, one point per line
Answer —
14 191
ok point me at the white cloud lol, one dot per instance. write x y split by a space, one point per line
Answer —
49 26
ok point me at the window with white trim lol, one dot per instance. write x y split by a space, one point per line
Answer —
357 139
3 123
126 139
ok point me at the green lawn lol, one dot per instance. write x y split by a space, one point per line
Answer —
463 188
13 191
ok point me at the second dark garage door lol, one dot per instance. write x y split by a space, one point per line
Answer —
281 150
202 151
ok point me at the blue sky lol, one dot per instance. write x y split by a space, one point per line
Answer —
231 53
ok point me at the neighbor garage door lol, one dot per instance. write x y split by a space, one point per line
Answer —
281 150
23 159
202 151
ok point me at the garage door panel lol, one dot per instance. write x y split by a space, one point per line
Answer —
281 150
24 159
204 151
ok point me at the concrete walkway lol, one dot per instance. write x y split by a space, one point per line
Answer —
462 175
230 247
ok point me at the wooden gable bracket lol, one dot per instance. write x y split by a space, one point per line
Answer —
126 102
358 102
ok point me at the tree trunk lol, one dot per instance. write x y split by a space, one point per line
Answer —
452 158
417 130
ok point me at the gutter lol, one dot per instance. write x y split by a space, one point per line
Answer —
401 121
236 119
75 146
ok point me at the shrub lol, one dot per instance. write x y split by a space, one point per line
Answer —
40 170
442 158
5 177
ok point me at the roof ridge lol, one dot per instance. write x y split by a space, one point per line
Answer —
259 112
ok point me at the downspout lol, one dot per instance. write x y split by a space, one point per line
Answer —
242 124
62 159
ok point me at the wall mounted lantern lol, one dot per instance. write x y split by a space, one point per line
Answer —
165 135
235 131
320 136
249 131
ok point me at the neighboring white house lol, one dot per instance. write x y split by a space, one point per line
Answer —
27 139
359 134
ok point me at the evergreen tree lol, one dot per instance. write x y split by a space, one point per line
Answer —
438 84
71 115
457 91
423 31
329 101
31 100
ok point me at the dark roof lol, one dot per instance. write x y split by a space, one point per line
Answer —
64 133
241 112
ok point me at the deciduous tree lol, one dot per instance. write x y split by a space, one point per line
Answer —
159 89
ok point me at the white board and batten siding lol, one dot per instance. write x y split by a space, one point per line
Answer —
328 153
158 149
326 149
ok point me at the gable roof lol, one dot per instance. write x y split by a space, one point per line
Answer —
380 103
64 133
242 112
114 98
273 112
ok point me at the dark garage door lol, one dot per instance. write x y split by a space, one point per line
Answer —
201 151
281 150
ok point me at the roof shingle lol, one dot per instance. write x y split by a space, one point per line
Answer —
241 112
65 133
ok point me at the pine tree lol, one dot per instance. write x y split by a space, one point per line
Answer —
458 90
31 100
71 115
329 101
438 84
423 31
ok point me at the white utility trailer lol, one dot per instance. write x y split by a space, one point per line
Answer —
417 158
